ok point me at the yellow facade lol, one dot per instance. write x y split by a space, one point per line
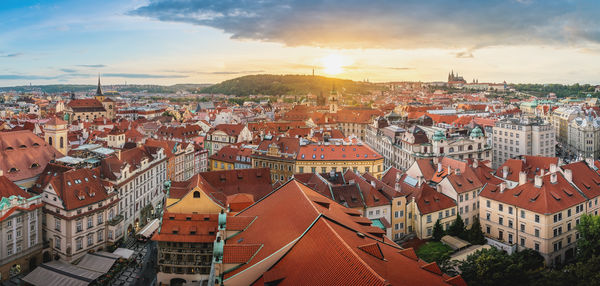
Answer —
373 167
195 201
217 165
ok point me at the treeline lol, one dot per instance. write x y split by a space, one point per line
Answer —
560 90
288 85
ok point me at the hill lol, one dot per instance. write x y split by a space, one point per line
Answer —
58 88
267 84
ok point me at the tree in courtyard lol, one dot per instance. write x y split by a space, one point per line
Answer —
475 235
438 231
457 228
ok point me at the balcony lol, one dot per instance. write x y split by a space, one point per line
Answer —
116 220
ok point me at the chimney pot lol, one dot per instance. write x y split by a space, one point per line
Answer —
504 172
439 167
568 175
502 187
522 178
552 168
553 178
538 181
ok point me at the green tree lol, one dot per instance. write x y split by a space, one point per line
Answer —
438 231
492 267
457 228
475 235
588 244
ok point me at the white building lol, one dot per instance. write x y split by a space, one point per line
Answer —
527 136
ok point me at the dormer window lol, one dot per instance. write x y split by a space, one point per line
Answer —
12 170
34 165
9 148
22 146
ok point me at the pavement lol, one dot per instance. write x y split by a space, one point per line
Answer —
142 270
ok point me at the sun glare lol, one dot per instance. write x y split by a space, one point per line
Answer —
334 64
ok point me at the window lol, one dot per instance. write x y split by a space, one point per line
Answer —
79 243
522 214
537 218
429 218
487 229
90 239
100 219
488 216
500 207
501 220
522 241
510 210
90 222
537 232
57 242
557 217
100 236
536 246
523 227
488 204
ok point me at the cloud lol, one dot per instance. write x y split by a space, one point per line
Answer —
92 66
453 24
465 54
68 70
141 75
12 55
400 68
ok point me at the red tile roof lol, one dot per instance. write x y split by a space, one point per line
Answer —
332 152
547 199
239 253
196 228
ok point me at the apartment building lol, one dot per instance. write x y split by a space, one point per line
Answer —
541 214
21 229
584 137
527 136
81 214
138 175
226 134
279 154
561 118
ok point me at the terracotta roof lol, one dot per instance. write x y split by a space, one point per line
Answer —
585 178
24 155
239 253
331 253
196 228
229 129
429 200
337 153
547 199
75 187
8 188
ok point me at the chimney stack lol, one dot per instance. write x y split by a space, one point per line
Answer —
553 178
552 168
504 172
373 184
438 187
475 164
537 181
541 172
398 177
568 175
439 167
502 187
449 170
397 186
522 178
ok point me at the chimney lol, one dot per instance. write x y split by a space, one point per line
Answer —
475 164
537 181
439 167
397 186
589 161
502 187
118 153
552 168
438 187
541 172
373 184
568 175
398 176
1 173
504 172
449 170
553 178
522 178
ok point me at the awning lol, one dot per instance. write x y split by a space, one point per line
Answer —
454 242
100 261
58 273
123 252
150 228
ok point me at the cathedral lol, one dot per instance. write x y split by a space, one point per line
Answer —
454 78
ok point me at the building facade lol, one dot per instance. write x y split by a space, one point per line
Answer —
529 136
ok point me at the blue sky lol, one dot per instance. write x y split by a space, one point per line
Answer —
184 41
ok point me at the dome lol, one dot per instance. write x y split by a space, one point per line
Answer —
439 135
476 132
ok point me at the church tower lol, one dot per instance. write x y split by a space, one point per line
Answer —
99 95
55 134
333 100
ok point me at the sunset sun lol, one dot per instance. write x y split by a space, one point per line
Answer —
334 64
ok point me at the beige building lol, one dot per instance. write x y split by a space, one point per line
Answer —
226 134
529 136
21 230
81 215
55 134
584 137
561 118
541 214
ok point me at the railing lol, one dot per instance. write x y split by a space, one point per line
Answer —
116 220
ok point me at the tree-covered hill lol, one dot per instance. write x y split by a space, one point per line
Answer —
267 84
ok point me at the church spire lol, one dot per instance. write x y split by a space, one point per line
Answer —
99 90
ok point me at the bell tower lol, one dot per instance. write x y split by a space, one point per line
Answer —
55 134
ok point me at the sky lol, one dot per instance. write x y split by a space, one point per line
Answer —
197 41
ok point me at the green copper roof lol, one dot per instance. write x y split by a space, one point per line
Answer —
476 132
439 135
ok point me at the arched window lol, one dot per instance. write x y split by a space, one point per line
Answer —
470 147
196 194
451 149
62 143
50 141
